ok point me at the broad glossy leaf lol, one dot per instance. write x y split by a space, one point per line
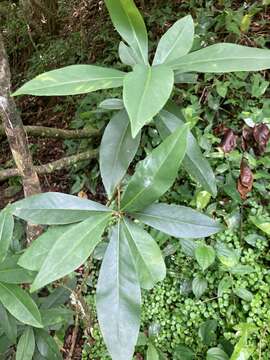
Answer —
127 55
199 286
205 256
117 150
119 297
6 232
72 80
20 304
152 353
71 250
146 91
178 221
224 57
216 354
36 253
130 25
11 272
56 209
26 345
176 42
8 324
112 104
47 346
194 162
146 254
156 173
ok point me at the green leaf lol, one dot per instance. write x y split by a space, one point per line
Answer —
72 80
183 353
59 296
55 316
56 209
207 331
47 346
127 55
119 297
243 293
156 173
216 354
146 254
11 272
205 256
188 246
185 78
152 353
20 304
36 253
176 42
178 221
26 345
227 256
71 250
130 25
112 104
6 232
141 98
224 57
117 150
202 199
199 286
261 224
195 163
8 324
224 285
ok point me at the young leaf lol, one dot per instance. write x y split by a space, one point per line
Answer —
20 304
130 25
71 250
205 256
178 221
146 91
194 162
199 286
117 150
156 173
56 209
26 345
47 346
221 58
12 273
8 324
127 55
119 297
152 353
72 80
6 232
146 254
216 354
176 42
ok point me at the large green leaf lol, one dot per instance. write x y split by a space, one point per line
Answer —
156 173
6 232
71 250
20 304
11 272
117 150
56 209
146 91
178 221
130 25
221 58
72 80
118 297
176 42
8 324
147 255
195 163
26 345
47 346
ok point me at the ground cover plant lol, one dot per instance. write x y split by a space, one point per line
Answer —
132 198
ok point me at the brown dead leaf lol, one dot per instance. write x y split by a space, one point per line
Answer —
261 135
228 143
247 138
245 180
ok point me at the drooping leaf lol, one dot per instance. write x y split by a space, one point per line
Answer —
8 324
72 80
207 331
141 98
156 173
176 42
199 286
130 25
224 57
26 345
194 162
216 354
205 256
118 297
71 250
146 254
20 304
178 221
6 232
47 346
112 104
12 273
127 55
152 353
117 150
56 209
